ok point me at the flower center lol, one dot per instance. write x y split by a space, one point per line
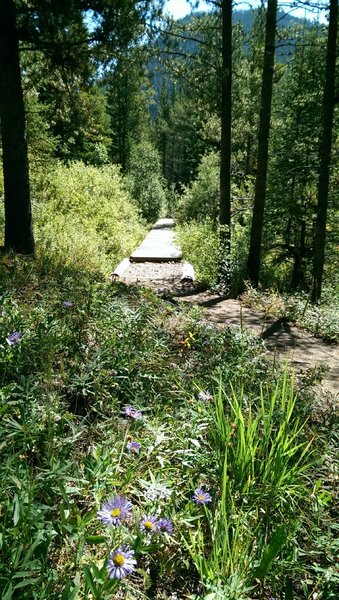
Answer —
116 512
201 497
118 560
148 525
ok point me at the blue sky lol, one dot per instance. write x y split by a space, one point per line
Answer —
180 8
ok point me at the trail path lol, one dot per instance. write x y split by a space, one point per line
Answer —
157 263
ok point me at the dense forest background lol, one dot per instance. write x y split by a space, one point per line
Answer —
147 97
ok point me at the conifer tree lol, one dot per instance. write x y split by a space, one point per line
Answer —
254 257
59 29
325 153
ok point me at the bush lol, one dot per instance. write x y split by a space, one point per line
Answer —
145 182
200 200
199 243
84 217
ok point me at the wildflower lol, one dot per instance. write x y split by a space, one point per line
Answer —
130 411
157 490
134 447
14 338
165 526
68 304
205 396
149 524
115 511
201 497
121 563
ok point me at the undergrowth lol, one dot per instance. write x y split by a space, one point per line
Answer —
113 400
320 319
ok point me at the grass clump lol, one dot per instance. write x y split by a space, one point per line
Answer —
113 400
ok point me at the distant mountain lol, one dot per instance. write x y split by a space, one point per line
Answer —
245 18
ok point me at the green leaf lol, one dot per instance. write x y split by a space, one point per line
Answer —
279 538
9 593
95 539
25 583
89 580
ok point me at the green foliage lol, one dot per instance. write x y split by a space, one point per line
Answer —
200 246
320 319
200 200
129 98
84 217
263 457
144 180
199 243
87 350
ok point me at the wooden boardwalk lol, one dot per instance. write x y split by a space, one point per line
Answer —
157 262
159 245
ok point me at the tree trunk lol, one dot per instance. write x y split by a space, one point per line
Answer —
225 147
18 217
299 255
325 154
253 263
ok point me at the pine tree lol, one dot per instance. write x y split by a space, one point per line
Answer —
18 217
325 154
254 257
57 28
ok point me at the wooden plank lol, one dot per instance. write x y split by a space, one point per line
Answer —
121 268
159 245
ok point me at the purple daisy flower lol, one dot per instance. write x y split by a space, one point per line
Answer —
67 304
149 524
134 447
115 511
165 526
14 338
201 497
130 411
121 563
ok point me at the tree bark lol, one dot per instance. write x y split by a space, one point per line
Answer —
325 154
225 147
18 217
254 258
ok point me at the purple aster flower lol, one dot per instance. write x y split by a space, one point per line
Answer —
115 511
121 563
68 304
201 497
165 526
134 447
14 338
149 524
130 411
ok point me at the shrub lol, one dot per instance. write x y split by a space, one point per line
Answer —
144 180
84 217
200 200
199 243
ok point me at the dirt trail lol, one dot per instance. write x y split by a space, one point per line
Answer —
302 350
152 265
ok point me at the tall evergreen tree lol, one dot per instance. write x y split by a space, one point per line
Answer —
58 28
292 180
253 263
18 217
226 141
325 153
